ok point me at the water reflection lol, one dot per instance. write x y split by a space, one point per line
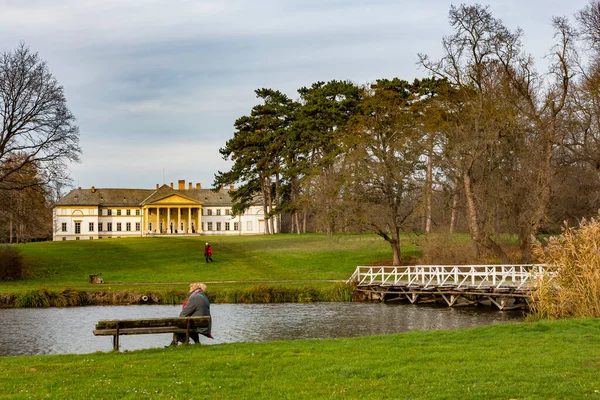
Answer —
69 330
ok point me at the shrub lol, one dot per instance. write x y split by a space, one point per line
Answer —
572 288
11 263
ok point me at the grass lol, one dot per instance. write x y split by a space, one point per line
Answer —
542 360
150 263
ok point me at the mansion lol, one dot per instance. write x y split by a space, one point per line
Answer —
85 214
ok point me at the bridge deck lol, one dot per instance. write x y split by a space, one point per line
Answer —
505 286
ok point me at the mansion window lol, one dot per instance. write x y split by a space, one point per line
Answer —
227 211
118 227
226 226
64 227
109 212
128 212
99 226
109 226
77 228
118 212
209 212
128 226
137 226
209 226
249 226
236 226
91 227
218 211
181 227
150 226
218 226
137 212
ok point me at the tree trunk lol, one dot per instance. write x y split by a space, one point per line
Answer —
265 206
453 214
429 185
304 221
472 219
297 218
474 223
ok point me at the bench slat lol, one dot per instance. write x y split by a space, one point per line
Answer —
195 322
138 331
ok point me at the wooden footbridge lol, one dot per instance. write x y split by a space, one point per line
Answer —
505 286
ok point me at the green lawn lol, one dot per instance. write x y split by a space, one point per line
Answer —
148 263
543 360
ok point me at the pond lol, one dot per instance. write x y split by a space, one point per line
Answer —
34 331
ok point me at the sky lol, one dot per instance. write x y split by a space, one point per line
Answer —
156 86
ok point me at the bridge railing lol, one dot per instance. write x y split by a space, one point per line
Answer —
516 276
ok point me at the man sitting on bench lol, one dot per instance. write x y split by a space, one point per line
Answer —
196 305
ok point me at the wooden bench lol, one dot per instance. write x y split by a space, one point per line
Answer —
144 326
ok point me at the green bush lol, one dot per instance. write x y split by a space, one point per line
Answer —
11 263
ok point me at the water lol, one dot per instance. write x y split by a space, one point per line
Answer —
69 330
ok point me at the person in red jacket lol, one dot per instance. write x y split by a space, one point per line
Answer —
208 252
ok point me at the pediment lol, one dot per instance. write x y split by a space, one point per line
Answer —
175 199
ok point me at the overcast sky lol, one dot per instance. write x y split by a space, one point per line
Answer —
157 85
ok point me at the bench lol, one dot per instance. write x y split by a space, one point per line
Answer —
143 326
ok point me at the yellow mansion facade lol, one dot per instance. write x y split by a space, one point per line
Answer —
85 214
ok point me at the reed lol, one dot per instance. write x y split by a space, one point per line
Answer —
573 289
46 298
172 296
282 294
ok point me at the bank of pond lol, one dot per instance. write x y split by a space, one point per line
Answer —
253 294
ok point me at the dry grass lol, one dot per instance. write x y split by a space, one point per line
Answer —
574 289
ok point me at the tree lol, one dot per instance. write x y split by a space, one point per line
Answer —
508 122
385 160
325 111
257 150
36 122
25 214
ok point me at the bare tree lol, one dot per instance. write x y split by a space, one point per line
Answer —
37 127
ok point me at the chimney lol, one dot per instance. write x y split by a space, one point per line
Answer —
198 186
231 187
189 185
181 184
171 185
93 189
157 186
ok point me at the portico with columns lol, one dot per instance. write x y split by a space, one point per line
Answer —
172 214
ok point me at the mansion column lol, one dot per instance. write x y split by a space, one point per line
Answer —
168 219
179 220
157 227
199 226
189 222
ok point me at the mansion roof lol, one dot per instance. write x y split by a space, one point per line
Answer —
141 197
